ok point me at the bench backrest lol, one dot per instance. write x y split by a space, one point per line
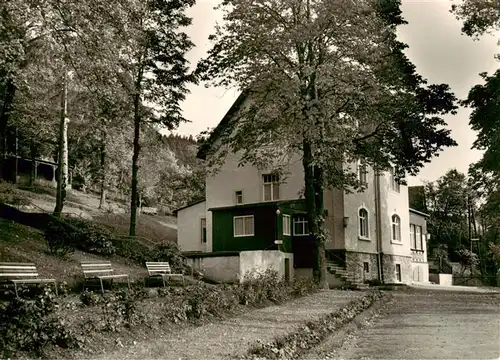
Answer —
96 268
12 270
158 268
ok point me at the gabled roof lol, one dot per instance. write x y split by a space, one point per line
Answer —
215 134
187 206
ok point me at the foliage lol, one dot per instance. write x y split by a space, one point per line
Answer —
9 195
90 298
120 309
479 16
30 326
63 236
467 259
446 201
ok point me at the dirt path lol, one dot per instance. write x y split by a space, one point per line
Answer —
425 324
231 338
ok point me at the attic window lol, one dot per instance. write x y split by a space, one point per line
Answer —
271 187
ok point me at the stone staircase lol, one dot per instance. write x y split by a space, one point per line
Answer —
348 279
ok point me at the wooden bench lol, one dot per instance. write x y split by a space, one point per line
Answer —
22 273
163 270
101 270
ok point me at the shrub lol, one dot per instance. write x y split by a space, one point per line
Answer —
92 238
90 298
61 238
120 309
169 252
30 325
204 300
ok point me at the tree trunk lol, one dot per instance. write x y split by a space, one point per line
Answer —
102 197
135 156
62 166
315 212
33 163
8 99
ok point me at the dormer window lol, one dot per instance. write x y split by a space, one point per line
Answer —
271 187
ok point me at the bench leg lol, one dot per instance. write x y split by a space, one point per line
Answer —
15 289
128 282
55 288
163 279
102 286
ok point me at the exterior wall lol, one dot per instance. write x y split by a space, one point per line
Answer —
441 279
389 268
221 188
189 228
394 203
354 265
352 204
420 272
218 268
262 260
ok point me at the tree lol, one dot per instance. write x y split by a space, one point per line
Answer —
446 203
479 16
326 80
156 68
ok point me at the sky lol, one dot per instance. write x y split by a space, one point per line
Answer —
436 46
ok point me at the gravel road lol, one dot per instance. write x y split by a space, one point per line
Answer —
423 324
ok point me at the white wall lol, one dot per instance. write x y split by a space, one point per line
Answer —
352 204
189 228
220 268
394 203
260 261
420 273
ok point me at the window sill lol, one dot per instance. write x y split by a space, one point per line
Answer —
396 242
362 238
249 235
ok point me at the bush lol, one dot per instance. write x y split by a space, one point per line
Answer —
61 238
90 298
30 326
203 300
92 238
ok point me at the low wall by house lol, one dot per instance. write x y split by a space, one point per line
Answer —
261 260
232 267
441 279
420 273
217 268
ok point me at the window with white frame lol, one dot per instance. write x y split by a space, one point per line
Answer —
398 272
413 239
394 182
287 225
363 223
271 187
300 226
239 197
396 228
418 238
362 171
203 230
243 225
